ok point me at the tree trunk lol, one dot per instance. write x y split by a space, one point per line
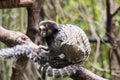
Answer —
19 69
112 33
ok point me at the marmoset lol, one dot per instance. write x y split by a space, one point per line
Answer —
68 40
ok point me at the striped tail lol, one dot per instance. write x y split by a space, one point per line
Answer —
47 70
31 52
23 50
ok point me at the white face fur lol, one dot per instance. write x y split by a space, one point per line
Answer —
43 31
47 28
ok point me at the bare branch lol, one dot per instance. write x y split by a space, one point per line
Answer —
15 3
85 74
104 70
116 11
12 38
102 40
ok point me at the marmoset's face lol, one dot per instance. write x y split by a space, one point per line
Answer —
43 31
47 28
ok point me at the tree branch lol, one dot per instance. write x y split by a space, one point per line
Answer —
12 38
15 3
85 74
102 40
116 11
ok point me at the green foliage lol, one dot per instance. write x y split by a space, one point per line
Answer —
12 19
90 15
118 1
50 78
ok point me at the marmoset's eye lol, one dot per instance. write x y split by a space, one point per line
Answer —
42 28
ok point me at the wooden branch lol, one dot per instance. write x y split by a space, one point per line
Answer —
15 3
94 40
85 74
12 38
116 11
108 14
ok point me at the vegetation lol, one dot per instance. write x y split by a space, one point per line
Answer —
90 15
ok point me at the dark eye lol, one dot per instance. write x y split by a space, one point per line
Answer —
42 28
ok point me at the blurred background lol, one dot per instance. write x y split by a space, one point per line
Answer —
90 15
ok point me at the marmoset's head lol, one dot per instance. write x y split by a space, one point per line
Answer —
48 28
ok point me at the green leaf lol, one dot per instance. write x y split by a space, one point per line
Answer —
118 1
